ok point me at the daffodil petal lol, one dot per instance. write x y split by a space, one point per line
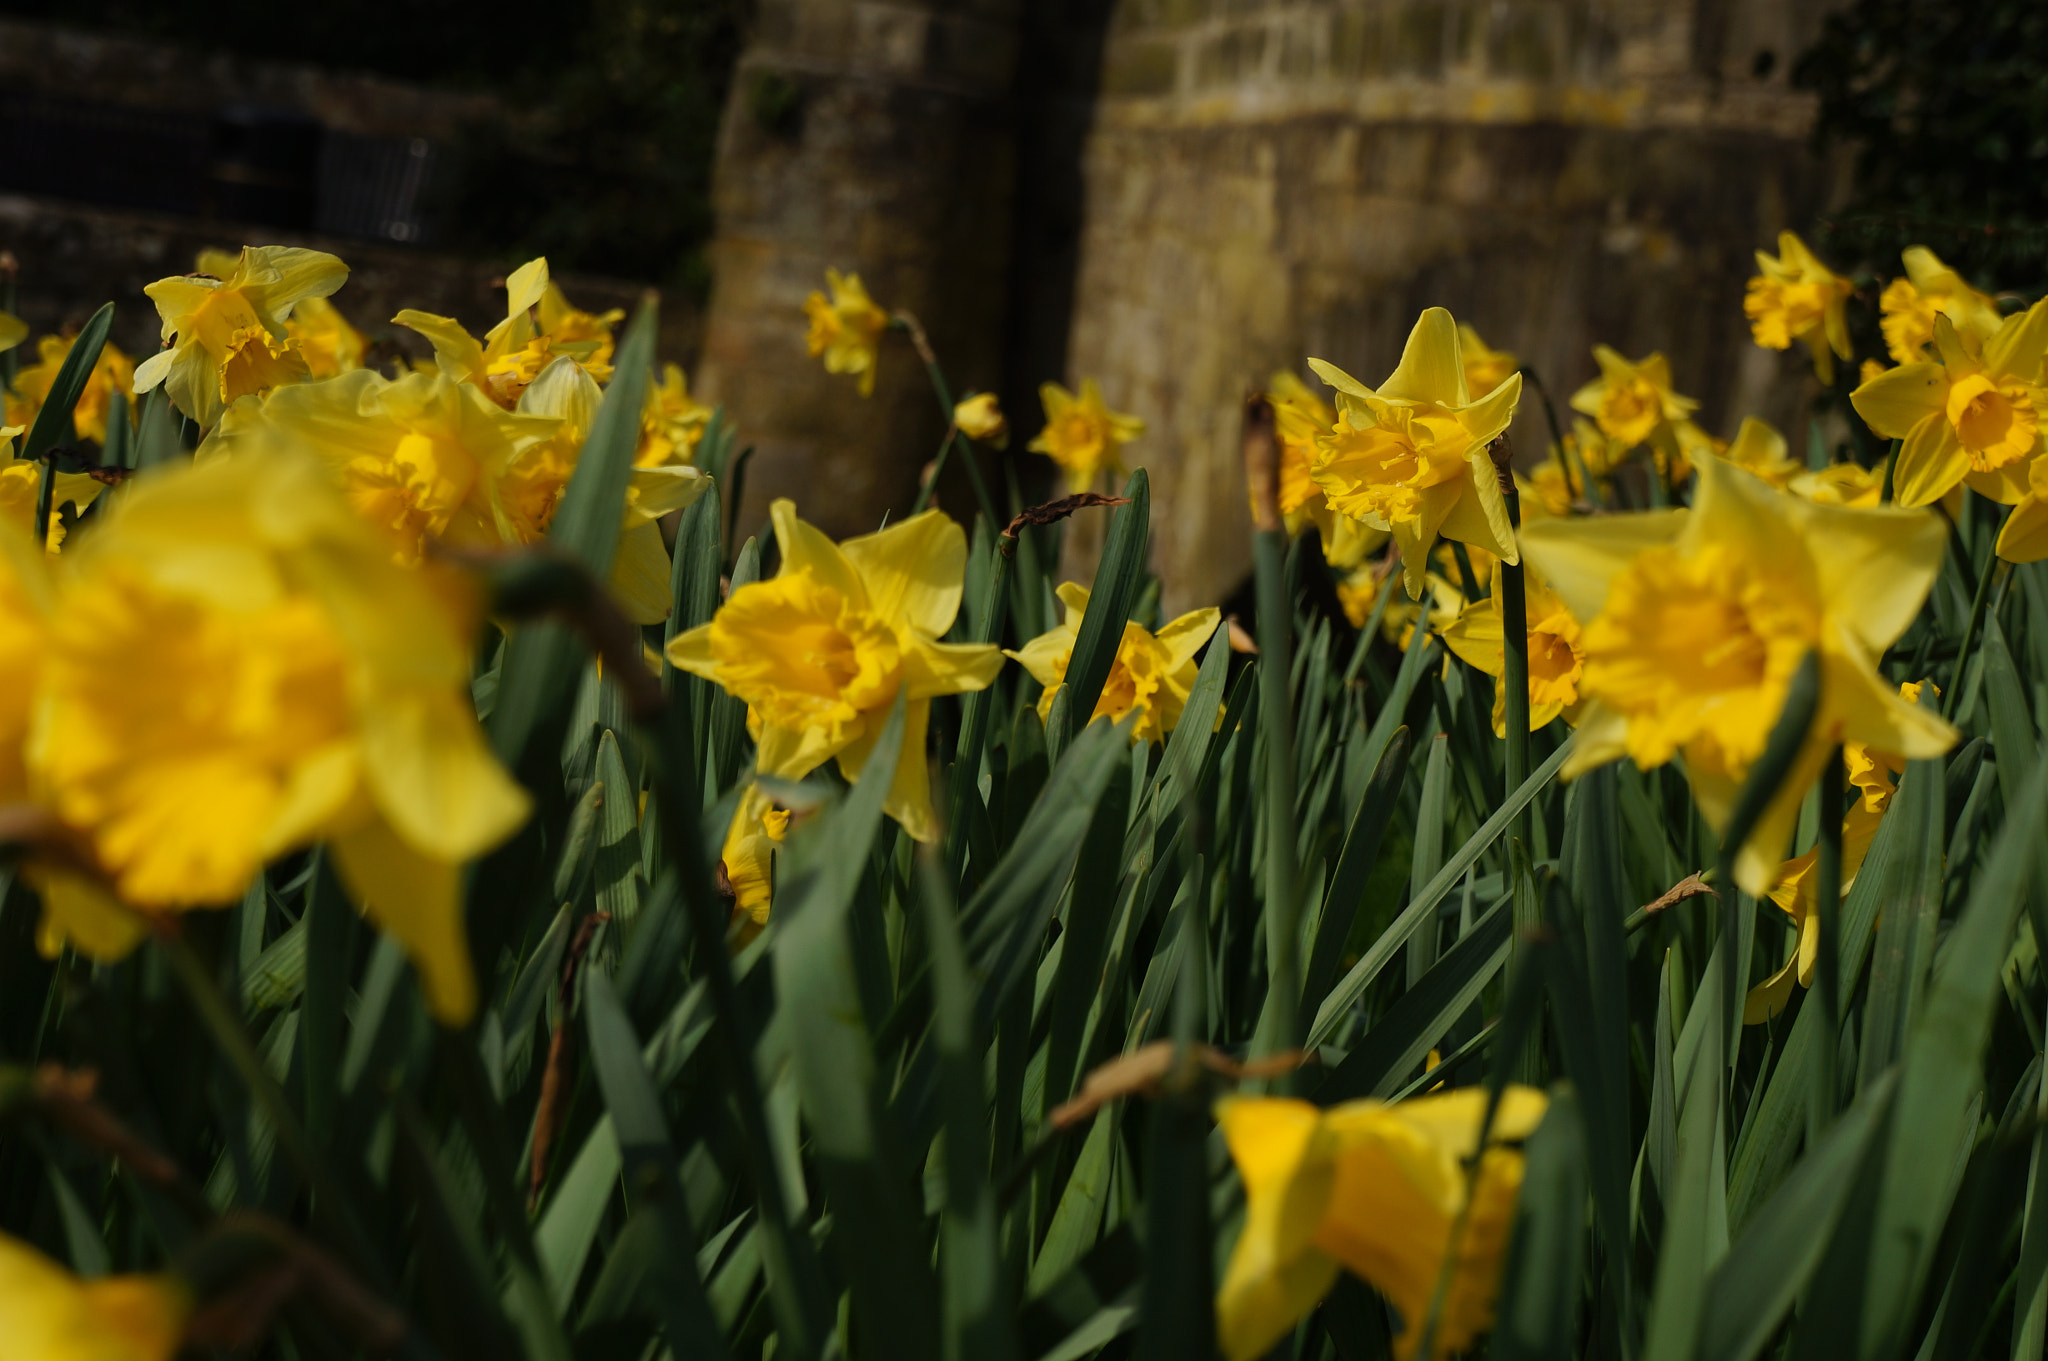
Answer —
913 570
417 900
1184 637
1769 997
909 800
1602 736
431 774
1580 557
806 549
455 349
1930 463
2024 537
1883 560
950 668
1898 399
1430 369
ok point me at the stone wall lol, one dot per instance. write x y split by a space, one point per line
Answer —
1272 179
875 138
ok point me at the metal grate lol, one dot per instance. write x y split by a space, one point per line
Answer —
376 187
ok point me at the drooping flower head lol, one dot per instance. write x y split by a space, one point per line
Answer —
1082 434
48 1314
1384 1191
227 336
1411 456
672 422
1152 674
1875 777
759 825
1796 297
820 651
980 418
1931 289
847 328
113 372
1556 653
1632 400
1694 623
514 352
1973 416
313 690
1485 368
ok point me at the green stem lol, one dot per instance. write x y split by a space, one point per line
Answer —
944 392
1280 1022
974 723
46 499
1827 904
1891 468
1978 598
1572 465
1514 621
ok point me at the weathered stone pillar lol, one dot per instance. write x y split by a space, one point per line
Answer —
1269 179
877 138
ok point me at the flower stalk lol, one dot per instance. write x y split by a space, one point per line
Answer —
954 435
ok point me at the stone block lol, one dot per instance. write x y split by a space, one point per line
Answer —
1141 66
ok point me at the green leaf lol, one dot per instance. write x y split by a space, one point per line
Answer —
53 424
1427 856
1330 927
586 524
1906 924
1392 1049
1077 1221
1540 1286
1422 907
156 431
1110 598
1767 1268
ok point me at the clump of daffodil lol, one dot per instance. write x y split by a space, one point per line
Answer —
1931 289
1875 777
322 695
113 372
821 651
1796 297
1411 457
1556 660
226 337
1972 416
1152 673
847 328
759 825
13 330
1390 1193
980 418
1758 449
1485 368
1082 434
48 1314
1632 401
1694 623
21 484
514 352
672 422
326 341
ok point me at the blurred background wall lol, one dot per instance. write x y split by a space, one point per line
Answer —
1175 197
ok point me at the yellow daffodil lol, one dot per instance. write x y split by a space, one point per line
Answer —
1632 400
13 330
1695 621
1357 592
1840 484
1384 1191
48 1314
821 651
1796 297
113 372
414 456
1931 289
981 418
226 337
584 336
847 330
524 493
1441 604
1596 451
326 341
25 605
1556 659
1152 674
1869 370
21 484
1761 451
672 422
1082 434
322 695
747 861
1300 418
1875 777
1411 457
1972 416
514 352
1485 368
